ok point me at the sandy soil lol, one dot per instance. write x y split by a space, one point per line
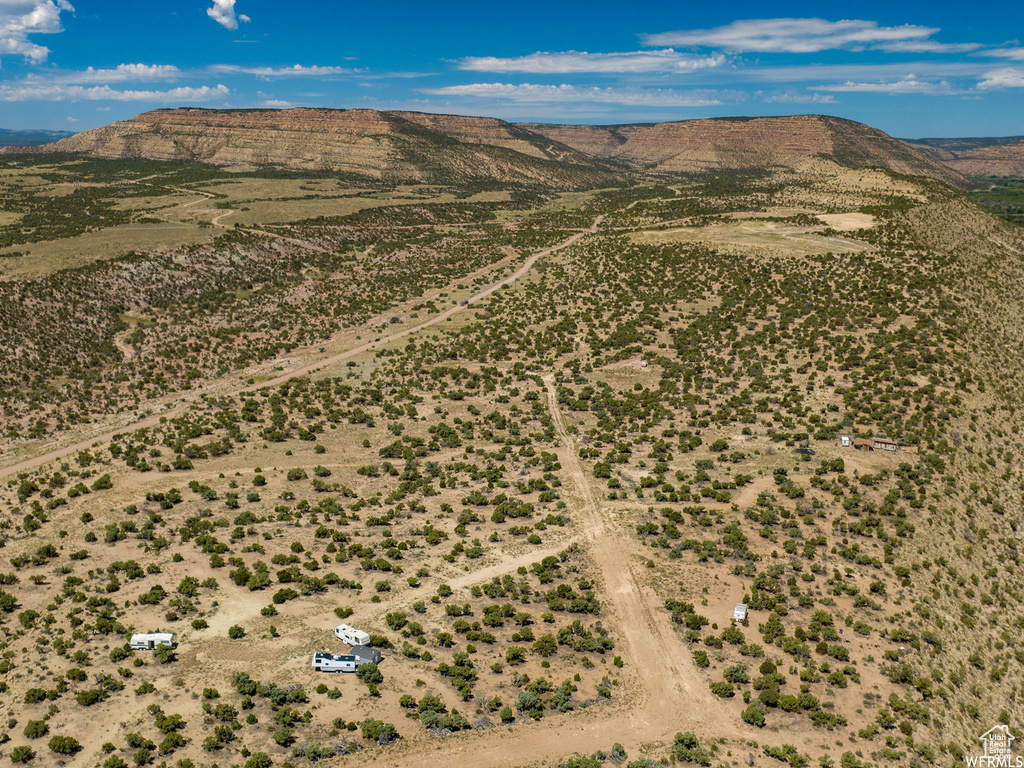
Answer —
848 221
753 234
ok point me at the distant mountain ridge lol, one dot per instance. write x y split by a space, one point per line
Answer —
983 156
392 147
747 143
402 147
30 138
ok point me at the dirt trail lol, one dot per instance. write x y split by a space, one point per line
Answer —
662 693
669 688
153 420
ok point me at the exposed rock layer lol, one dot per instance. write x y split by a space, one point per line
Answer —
400 147
746 143
977 157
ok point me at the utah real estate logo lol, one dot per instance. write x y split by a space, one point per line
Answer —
997 742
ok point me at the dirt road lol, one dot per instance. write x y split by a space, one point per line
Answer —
153 420
662 693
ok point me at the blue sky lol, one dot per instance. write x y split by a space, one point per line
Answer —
913 69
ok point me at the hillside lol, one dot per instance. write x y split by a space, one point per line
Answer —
385 146
749 143
404 147
1001 157
538 445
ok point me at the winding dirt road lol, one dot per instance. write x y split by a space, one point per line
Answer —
153 420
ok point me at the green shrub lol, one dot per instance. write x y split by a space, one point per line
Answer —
64 745
22 754
36 729
754 714
259 760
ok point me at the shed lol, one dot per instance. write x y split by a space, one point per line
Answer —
862 444
740 611
150 640
365 654
884 444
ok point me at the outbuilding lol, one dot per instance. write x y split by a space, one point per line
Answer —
365 654
150 640
884 444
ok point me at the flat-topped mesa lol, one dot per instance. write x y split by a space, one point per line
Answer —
396 147
1002 157
403 147
747 143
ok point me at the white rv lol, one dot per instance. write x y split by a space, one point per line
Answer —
740 612
326 662
351 635
150 641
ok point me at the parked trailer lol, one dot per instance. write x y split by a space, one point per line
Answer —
150 641
351 635
328 662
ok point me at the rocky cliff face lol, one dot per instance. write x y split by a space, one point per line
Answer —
398 147
977 157
747 143
389 146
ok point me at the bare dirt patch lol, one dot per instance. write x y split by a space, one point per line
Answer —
848 222
754 235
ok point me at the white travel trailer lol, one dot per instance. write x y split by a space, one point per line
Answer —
150 641
740 612
351 635
326 662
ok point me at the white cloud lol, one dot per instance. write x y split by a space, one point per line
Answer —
119 74
925 46
1016 54
794 97
908 84
223 12
276 104
297 70
539 94
1003 78
21 18
666 60
862 71
41 92
792 35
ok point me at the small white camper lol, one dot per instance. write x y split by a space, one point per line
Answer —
149 641
326 662
740 611
351 635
